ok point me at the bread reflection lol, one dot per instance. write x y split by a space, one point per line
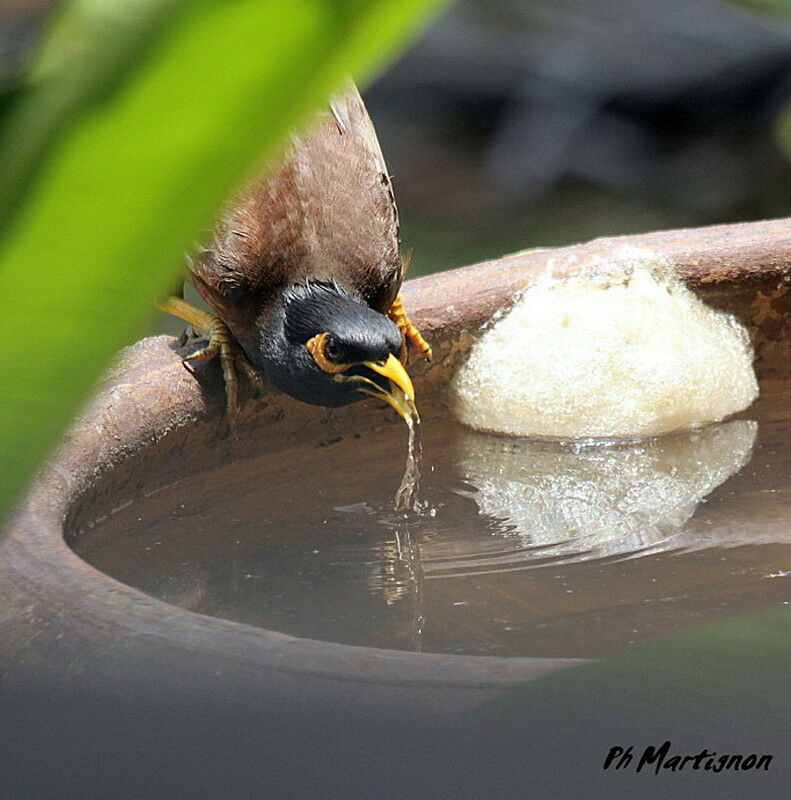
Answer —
592 499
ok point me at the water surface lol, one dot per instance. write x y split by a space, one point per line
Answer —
525 548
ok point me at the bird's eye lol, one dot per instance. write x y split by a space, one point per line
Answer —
326 353
332 350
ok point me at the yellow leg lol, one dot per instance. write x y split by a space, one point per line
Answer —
220 342
408 329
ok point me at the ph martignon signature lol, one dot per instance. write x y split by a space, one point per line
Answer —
661 759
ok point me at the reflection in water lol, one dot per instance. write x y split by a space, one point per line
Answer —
588 500
399 579
568 502
525 548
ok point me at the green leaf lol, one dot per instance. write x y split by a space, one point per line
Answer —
161 121
84 54
727 671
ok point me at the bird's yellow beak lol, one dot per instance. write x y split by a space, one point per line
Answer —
394 371
402 394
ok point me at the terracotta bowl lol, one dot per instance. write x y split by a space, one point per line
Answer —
65 625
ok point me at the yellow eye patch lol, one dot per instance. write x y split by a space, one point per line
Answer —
317 347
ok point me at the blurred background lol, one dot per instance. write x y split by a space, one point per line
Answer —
528 123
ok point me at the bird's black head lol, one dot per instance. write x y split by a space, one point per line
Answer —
325 347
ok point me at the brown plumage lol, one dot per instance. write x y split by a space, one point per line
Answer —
304 271
328 214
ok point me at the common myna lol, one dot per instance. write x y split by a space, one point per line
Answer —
304 273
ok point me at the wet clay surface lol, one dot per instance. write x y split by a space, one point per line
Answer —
532 549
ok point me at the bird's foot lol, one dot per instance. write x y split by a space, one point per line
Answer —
191 335
220 342
398 314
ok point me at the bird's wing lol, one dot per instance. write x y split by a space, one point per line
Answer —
360 209
328 213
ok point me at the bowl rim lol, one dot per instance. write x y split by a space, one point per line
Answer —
151 399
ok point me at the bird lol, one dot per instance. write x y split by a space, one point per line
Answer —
304 270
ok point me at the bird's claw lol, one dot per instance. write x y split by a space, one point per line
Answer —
253 375
408 329
190 335
219 341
